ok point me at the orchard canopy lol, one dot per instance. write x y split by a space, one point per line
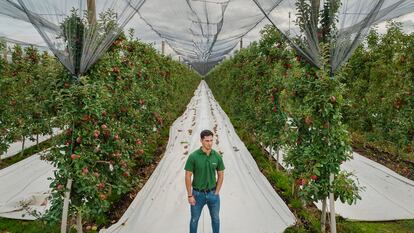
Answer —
107 99
201 32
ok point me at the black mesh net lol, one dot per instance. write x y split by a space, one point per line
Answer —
341 23
78 32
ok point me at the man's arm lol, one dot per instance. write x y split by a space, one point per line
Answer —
188 175
191 199
220 178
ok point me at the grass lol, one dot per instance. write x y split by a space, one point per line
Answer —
26 153
20 226
376 227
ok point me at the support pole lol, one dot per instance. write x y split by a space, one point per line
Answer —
23 141
241 43
63 227
277 159
79 222
323 216
91 11
332 205
289 23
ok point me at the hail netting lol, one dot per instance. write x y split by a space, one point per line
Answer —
203 32
78 32
15 26
341 23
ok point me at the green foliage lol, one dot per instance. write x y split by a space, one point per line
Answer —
73 30
112 118
115 113
25 96
314 137
379 78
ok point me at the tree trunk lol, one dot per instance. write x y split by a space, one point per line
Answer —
63 227
323 216
332 206
270 153
277 159
23 140
79 222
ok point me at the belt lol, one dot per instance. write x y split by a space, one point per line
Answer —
204 190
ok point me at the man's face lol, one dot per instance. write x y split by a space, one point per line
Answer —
207 142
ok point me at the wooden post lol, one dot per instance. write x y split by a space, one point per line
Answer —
241 43
63 226
91 11
332 205
323 216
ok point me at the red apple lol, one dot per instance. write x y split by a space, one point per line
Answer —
314 177
85 170
104 126
101 185
102 196
69 132
138 142
96 133
59 186
86 118
308 120
106 134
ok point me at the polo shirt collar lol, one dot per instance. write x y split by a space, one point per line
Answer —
204 153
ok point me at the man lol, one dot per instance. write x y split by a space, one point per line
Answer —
203 165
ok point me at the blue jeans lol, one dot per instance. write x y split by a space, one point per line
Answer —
213 203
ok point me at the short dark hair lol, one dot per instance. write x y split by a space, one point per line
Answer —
205 133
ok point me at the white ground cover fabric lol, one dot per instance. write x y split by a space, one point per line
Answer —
16 147
248 202
386 196
25 184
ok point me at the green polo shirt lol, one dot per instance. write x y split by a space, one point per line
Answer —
204 168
